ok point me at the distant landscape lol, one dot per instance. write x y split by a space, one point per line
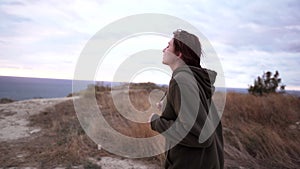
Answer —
21 88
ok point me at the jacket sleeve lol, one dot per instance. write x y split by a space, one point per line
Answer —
186 104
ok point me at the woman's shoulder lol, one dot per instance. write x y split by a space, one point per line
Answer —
183 77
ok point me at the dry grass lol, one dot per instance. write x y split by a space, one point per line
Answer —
259 127
118 121
257 131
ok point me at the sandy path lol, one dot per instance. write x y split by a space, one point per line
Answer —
14 117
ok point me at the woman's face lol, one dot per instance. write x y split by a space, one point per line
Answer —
169 56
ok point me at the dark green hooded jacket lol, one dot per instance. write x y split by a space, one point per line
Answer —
189 112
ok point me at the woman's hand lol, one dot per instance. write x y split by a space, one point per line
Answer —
159 105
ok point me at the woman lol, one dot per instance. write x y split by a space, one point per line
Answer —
186 108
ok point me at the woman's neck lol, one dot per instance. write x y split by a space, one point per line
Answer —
177 64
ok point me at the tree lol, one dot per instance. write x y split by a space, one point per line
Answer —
266 84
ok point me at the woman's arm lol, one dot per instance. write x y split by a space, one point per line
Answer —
189 114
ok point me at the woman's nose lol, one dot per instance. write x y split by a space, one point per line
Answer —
164 49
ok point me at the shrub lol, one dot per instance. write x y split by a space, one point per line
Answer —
266 84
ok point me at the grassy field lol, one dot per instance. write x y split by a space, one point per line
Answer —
262 131
259 132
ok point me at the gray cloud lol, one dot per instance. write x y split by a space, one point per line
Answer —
249 36
261 25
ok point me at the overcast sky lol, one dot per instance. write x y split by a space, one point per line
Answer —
45 38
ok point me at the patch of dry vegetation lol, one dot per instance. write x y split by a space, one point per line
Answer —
257 131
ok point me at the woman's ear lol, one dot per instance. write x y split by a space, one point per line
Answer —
179 54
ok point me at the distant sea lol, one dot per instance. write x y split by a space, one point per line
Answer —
21 88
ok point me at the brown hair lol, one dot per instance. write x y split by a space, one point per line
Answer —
189 45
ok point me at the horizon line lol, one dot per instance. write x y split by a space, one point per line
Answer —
294 88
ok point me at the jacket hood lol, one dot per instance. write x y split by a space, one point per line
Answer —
204 77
